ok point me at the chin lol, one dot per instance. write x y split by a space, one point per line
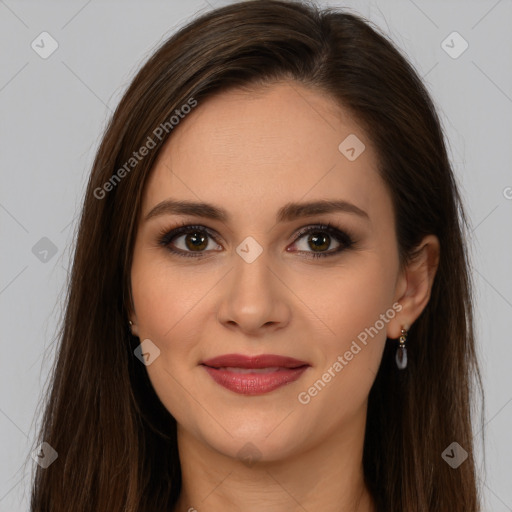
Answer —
253 441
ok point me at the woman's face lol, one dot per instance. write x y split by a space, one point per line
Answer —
250 284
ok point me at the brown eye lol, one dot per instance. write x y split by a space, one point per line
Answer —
187 240
196 241
320 238
319 241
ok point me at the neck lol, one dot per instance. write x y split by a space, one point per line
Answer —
327 477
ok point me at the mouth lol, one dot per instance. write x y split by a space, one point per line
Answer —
254 375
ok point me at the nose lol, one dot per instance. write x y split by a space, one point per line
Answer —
254 298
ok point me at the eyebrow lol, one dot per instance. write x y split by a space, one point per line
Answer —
288 212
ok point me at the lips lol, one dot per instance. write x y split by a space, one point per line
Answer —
254 375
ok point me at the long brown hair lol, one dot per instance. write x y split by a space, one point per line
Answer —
116 442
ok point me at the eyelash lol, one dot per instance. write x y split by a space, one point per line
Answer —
165 237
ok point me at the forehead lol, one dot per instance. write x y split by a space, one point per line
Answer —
252 151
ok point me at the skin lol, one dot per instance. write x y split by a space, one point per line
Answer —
250 152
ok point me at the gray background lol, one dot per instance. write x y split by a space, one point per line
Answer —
54 110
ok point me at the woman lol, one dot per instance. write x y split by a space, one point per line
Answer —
270 305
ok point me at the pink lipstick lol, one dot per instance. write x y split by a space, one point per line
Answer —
254 375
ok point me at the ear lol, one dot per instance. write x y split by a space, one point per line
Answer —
414 285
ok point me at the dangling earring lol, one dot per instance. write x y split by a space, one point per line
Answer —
401 352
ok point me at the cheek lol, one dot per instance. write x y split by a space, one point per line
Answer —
350 352
169 311
355 309
163 297
172 306
351 298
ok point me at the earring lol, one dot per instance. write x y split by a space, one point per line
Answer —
130 323
401 352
